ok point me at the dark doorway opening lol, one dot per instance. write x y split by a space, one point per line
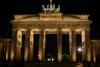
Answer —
65 48
36 48
78 48
51 48
22 48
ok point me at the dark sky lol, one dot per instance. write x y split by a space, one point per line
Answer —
11 7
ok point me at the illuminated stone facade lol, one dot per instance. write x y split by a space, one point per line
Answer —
50 22
53 23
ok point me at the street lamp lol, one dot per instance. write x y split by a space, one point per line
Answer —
79 49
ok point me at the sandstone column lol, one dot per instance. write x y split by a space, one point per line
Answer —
83 46
73 45
30 46
59 44
28 56
88 45
7 50
18 46
13 45
94 51
26 47
70 44
42 45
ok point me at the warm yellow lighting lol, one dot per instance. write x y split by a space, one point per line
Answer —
7 55
74 58
70 37
83 36
66 30
12 54
18 17
78 30
94 59
89 57
50 30
30 53
19 38
19 33
23 30
26 54
40 55
59 57
31 38
35 30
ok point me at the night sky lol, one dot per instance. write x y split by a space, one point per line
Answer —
11 7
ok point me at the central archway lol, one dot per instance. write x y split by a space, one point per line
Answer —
51 48
65 48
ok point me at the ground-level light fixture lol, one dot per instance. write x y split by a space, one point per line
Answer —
79 49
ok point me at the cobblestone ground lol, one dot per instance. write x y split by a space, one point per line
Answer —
48 65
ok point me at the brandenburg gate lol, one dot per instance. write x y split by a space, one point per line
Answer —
50 21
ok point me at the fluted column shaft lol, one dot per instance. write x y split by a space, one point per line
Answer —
42 45
73 45
19 45
83 46
70 45
26 46
88 45
7 51
94 52
29 46
13 45
59 44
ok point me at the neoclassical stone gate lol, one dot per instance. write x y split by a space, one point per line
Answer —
51 20
53 23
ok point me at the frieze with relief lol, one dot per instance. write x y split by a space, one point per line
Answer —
51 25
